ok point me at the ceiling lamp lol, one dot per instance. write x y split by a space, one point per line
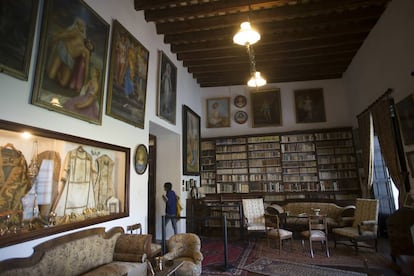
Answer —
246 35
256 80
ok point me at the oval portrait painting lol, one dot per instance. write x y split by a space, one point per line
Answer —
141 159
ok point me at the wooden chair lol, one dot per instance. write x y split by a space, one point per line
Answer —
273 231
253 214
318 231
364 227
155 247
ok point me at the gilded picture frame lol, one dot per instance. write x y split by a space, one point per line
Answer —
64 182
17 33
309 106
141 159
167 88
266 108
71 68
128 74
191 141
218 112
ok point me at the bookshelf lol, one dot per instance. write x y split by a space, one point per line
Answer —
320 163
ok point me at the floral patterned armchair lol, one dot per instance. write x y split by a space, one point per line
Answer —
185 247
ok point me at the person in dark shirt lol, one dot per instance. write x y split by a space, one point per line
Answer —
170 199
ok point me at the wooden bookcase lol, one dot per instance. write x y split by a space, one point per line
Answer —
308 164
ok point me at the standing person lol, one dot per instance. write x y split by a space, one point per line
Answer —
170 199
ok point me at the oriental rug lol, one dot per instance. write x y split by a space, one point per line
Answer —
266 266
243 252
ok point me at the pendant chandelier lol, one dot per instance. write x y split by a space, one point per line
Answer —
247 36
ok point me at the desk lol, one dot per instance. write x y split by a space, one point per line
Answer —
169 270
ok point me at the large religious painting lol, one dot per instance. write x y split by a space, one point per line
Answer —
70 73
17 28
127 82
57 182
167 88
191 142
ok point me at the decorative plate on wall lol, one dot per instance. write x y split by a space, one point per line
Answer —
240 101
240 117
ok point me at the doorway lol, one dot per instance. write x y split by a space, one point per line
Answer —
152 189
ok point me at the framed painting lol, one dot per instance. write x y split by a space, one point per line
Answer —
17 31
70 72
309 106
405 111
141 159
167 88
266 108
61 182
218 112
127 81
191 142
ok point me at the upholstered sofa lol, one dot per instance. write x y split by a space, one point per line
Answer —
295 213
88 252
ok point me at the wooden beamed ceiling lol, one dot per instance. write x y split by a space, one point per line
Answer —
300 39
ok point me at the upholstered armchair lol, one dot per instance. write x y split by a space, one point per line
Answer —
185 247
254 215
365 225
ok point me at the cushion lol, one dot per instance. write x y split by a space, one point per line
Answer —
119 269
132 248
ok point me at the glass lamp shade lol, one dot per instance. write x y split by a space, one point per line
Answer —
246 35
256 80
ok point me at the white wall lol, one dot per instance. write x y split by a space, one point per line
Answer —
15 107
385 60
336 99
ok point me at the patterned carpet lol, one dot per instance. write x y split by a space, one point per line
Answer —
266 266
242 253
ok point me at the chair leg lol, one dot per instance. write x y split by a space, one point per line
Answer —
327 249
311 249
291 246
303 245
280 245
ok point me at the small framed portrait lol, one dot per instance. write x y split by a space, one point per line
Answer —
240 117
141 159
405 111
167 88
266 108
17 31
218 112
240 101
309 106
70 71
127 80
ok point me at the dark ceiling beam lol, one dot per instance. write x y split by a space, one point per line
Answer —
274 39
272 31
275 79
208 8
360 16
269 15
149 4
277 48
341 58
276 57
242 72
